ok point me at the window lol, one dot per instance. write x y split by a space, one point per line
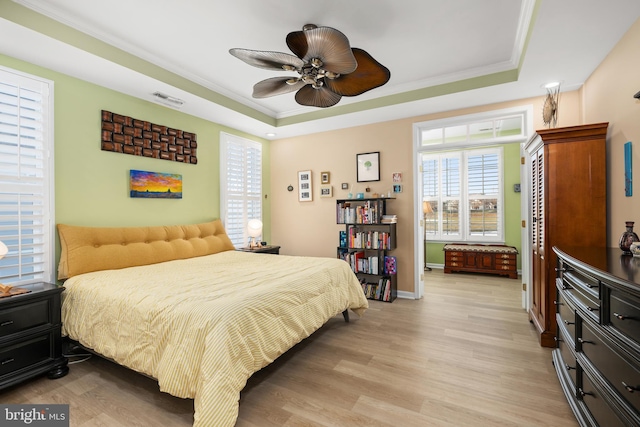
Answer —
460 166
464 189
26 178
240 185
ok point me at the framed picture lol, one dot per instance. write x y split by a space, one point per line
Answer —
324 177
397 177
368 166
345 185
305 189
326 191
397 188
154 185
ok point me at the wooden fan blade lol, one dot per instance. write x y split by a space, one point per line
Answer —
321 97
274 86
327 44
370 74
267 60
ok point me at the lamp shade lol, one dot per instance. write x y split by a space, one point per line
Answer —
3 250
254 227
426 207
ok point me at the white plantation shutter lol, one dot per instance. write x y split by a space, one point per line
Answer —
465 192
240 185
26 178
484 194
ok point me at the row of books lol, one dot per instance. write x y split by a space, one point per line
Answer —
370 239
389 219
369 212
370 265
360 263
380 291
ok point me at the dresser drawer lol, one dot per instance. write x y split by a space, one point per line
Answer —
584 301
624 314
584 282
24 316
566 315
604 414
566 348
621 371
25 353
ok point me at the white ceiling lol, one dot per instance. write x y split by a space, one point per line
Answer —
424 43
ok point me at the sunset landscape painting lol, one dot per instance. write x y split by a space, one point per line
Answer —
155 185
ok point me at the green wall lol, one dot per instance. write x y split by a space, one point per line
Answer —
91 185
512 215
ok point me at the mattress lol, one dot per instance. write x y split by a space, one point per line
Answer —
202 326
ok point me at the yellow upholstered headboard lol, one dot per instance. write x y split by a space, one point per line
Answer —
86 249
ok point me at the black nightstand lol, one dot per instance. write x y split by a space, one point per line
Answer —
30 336
263 250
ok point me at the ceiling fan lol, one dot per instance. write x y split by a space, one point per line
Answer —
328 68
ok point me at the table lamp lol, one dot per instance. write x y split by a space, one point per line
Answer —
426 210
3 252
254 227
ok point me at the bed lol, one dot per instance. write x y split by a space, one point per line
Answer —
179 304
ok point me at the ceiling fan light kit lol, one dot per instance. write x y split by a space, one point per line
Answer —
328 68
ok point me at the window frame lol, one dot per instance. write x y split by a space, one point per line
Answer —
226 196
18 257
462 197
464 144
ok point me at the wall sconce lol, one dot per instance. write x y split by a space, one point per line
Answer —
426 210
254 228
637 95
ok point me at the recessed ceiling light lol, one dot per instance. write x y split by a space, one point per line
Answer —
551 85
270 134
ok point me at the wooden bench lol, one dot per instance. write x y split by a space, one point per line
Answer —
494 259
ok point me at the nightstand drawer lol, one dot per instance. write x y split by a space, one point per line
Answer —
24 317
25 353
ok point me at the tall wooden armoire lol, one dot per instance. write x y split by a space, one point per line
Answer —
569 207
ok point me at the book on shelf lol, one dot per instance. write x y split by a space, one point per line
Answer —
389 219
390 264
343 239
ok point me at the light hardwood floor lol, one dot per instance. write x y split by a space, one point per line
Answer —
465 355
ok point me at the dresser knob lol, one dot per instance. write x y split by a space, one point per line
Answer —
566 322
629 388
592 308
582 341
619 316
558 303
568 368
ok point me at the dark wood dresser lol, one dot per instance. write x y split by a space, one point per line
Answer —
597 357
30 335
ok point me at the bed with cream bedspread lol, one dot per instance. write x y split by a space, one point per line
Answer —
202 326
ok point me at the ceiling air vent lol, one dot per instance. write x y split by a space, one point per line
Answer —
167 100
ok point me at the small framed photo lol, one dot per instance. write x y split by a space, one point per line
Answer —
305 189
324 177
397 188
326 191
368 166
397 177
345 185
